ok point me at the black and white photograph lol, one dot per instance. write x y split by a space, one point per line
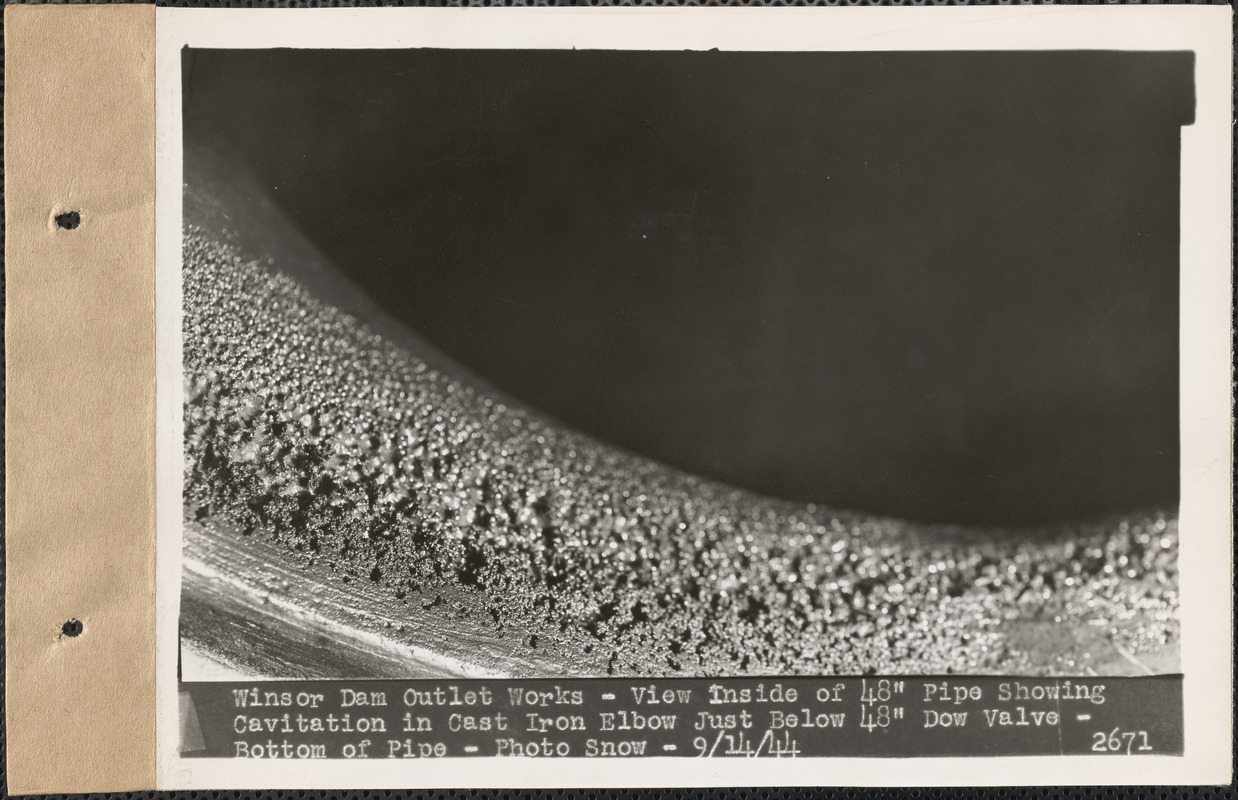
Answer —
492 398
538 363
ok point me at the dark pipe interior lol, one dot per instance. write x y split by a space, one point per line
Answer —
941 286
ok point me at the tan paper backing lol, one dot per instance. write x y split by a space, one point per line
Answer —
79 119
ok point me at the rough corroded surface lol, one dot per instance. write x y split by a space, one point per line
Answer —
304 425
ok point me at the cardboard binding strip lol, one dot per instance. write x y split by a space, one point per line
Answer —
79 125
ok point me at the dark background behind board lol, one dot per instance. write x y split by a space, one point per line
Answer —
942 286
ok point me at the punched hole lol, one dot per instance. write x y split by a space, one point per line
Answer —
68 220
73 627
